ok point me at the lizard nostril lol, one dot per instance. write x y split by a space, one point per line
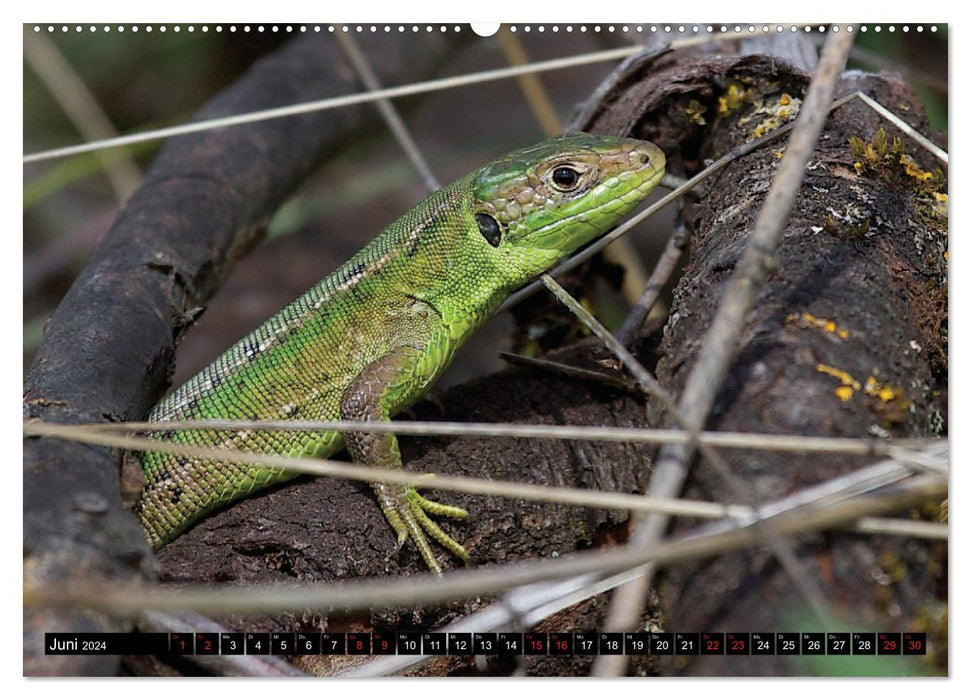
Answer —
638 158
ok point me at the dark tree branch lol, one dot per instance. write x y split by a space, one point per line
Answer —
109 347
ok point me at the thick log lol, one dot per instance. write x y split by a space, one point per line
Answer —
848 338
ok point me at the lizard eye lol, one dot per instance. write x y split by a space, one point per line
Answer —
565 178
489 228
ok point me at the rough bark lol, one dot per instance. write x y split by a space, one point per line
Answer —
848 338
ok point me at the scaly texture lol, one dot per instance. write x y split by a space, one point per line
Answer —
367 341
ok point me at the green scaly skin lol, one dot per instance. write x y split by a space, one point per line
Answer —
368 340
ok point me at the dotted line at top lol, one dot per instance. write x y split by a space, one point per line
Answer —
415 28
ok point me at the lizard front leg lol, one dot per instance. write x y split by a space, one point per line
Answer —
379 386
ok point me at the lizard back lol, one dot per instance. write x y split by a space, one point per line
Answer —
297 364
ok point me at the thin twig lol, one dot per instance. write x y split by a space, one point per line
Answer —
902 449
640 373
388 112
929 145
346 470
663 271
346 100
720 342
901 527
572 371
529 83
81 107
335 102
427 588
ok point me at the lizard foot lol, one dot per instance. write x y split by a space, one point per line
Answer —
408 514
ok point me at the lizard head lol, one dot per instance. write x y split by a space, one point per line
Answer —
537 205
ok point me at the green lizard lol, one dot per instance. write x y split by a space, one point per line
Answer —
365 342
